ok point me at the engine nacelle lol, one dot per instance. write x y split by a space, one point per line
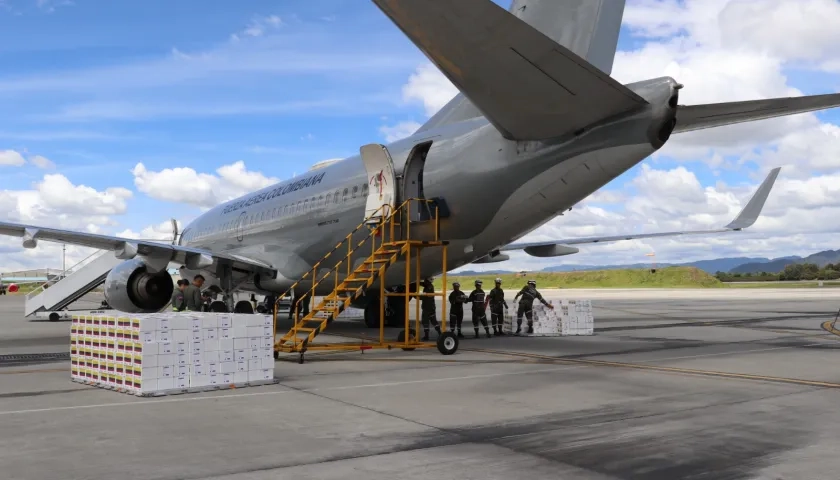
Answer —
129 287
544 251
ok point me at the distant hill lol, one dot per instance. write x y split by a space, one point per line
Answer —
821 259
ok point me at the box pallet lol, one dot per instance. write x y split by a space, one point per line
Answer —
171 353
179 391
569 318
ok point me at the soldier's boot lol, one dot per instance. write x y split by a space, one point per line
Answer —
425 335
487 329
518 327
530 327
460 335
476 332
437 329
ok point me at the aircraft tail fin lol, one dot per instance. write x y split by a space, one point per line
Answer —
588 28
526 84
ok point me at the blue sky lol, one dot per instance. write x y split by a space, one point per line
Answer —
98 87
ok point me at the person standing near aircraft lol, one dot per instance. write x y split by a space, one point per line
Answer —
478 309
529 293
428 306
192 294
497 302
457 299
178 298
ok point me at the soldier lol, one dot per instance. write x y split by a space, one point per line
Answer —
496 299
192 294
526 305
478 312
457 299
178 300
427 307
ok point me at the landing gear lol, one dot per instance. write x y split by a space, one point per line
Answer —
447 343
393 316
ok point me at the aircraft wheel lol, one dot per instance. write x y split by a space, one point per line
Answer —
218 306
401 338
447 343
54 317
276 355
243 306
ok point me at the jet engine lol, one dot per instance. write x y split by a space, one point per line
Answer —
130 287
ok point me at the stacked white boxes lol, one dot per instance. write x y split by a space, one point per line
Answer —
156 354
569 317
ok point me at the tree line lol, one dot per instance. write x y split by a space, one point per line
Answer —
794 271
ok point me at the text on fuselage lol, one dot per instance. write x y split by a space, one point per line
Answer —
276 192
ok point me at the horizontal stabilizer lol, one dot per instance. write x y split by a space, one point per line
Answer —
527 85
697 117
746 218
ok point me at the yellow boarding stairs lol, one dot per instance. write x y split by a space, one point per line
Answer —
388 229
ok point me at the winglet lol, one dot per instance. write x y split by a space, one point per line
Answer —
752 210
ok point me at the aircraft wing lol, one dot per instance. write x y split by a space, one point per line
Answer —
154 253
746 218
697 117
526 84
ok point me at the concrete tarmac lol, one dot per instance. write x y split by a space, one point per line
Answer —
675 384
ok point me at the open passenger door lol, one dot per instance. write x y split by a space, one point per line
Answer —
381 181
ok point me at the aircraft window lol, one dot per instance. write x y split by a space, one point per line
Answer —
252 220
355 191
344 195
298 206
312 202
285 209
274 213
305 204
320 200
364 189
335 197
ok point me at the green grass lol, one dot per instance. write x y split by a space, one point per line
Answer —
668 277
803 284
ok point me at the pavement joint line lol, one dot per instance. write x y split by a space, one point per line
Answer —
289 390
568 364
685 371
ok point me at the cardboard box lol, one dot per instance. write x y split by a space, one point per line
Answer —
227 356
259 375
211 345
226 333
212 357
166 371
165 348
242 354
182 347
225 320
210 333
212 368
255 343
166 383
196 335
227 378
199 380
182 382
227 367
163 336
242 366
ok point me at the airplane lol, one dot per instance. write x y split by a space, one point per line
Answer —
537 126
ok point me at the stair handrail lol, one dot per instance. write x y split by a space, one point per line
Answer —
310 293
66 274
365 222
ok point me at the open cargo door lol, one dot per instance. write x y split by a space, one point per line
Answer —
381 181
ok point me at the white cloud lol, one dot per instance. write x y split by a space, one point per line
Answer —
58 203
398 131
11 158
185 185
161 231
42 162
430 87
